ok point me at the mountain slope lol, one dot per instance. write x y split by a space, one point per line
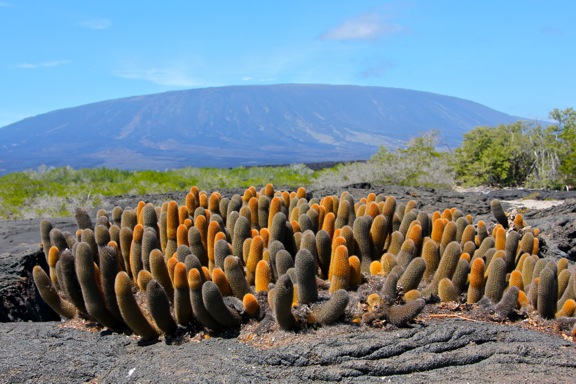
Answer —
237 125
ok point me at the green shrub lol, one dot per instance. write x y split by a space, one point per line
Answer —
57 192
419 164
520 154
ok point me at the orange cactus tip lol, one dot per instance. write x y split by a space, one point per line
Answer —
194 279
375 267
251 305
180 277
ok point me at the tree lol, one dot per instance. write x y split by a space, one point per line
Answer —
545 172
520 154
565 131
498 156
419 163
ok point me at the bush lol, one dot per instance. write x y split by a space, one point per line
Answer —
498 156
520 154
57 192
419 164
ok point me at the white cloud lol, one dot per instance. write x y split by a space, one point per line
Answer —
177 77
95 24
368 26
43 64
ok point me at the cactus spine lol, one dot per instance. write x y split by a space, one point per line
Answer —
547 294
172 223
136 251
130 310
50 295
324 249
197 303
446 267
263 276
108 271
95 304
460 276
498 212
159 307
251 305
476 277
340 269
235 275
400 315
508 302
332 310
214 304
361 230
159 270
282 303
447 291
182 306
413 274
306 277
69 283
255 255
496 281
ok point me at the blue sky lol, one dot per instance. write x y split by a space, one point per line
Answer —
518 57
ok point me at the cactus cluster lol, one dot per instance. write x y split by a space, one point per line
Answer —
215 262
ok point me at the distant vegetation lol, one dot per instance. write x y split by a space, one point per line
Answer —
57 192
520 155
419 164
509 155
